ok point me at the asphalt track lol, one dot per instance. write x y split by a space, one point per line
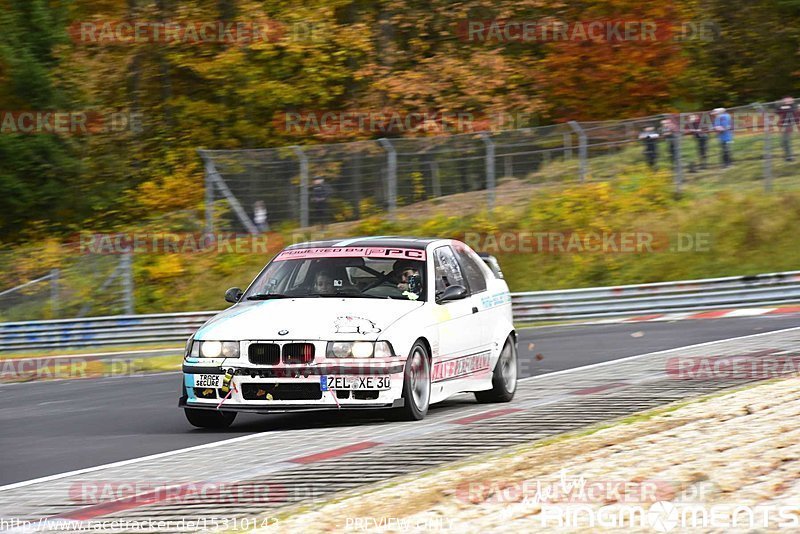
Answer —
59 426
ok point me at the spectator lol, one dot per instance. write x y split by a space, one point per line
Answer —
696 128
260 216
649 137
787 122
669 131
320 196
723 125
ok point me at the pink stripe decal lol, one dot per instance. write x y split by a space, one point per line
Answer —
352 252
333 453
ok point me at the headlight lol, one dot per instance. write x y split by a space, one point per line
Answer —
217 349
359 349
362 349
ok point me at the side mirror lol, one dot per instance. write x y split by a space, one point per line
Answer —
233 295
452 293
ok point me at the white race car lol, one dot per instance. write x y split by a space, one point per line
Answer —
374 322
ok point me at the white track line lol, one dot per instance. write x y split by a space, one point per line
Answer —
92 355
637 356
254 436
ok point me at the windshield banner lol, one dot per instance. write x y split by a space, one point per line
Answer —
352 252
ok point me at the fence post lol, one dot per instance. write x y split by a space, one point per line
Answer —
212 175
581 149
209 184
127 282
391 173
54 304
678 164
303 185
567 145
767 145
437 185
490 177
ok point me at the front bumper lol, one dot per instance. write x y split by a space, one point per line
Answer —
250 408
291 388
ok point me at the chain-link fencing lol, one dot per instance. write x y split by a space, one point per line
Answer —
307 185
81 285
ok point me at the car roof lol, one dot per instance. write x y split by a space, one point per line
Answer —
372 241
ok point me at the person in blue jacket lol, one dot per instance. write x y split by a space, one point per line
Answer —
723 125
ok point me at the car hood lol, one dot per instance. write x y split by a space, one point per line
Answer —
306 319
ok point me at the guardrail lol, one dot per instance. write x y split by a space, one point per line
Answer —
101 331
529 307
662 297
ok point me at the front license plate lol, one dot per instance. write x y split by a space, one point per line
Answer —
208 381
334 382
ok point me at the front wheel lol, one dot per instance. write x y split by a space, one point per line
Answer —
209 418
416 384
504 378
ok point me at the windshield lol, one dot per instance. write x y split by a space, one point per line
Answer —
341 272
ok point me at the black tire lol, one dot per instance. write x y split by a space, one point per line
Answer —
209 418
416 385
504 376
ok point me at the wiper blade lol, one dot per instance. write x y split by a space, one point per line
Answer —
267 296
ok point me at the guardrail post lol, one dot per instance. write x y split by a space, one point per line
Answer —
127 282
765 119
391 173
301 155
54 304
582 155
490 176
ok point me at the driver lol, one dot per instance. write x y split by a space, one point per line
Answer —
323 284
405 270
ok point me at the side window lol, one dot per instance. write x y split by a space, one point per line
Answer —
448 273
299 276
473 272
